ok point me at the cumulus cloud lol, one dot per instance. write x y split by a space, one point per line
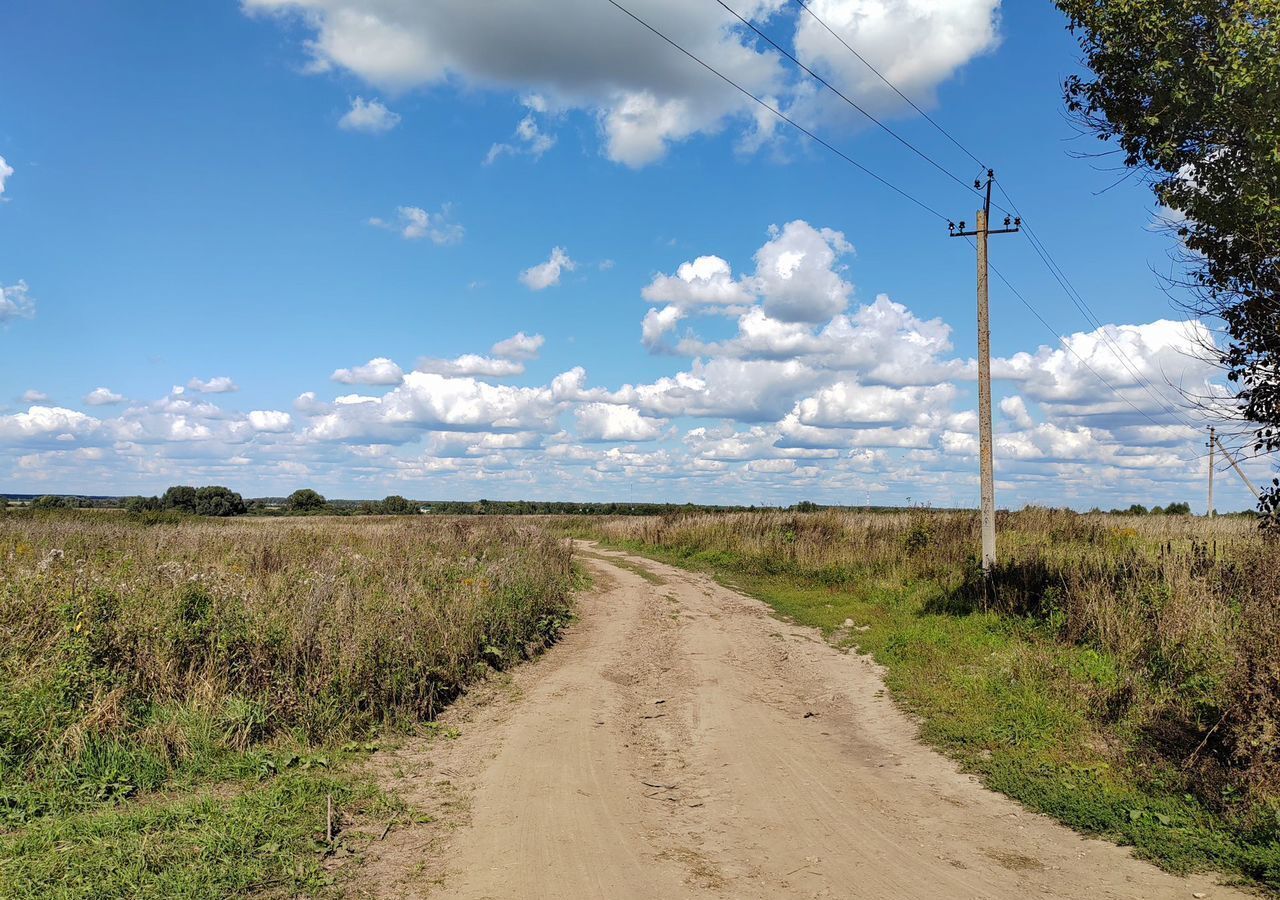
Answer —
472 364
644 94
6 170
15 303
705 282
34 396
379 370
103 397
1150 366
45 421
272 421
369 116
797 273
219 384
427 400
414 223
610 422
519 346
547 274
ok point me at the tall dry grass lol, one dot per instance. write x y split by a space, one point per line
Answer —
1187 608
120 638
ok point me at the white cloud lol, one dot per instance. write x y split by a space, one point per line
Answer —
609 422
15 303
103 397
547 274
219 384
376 371
644 94
1015 410
414 223
796 273
43 421
429 401
531 140
1150 367
5 171
369 116
519 346
34 396
472 364
917 44
270 420
705 282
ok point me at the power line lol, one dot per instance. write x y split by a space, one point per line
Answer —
892 86
1037 245
783 116
829 86
1067 346
1081 304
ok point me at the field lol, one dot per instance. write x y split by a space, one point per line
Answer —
1122 675
181 700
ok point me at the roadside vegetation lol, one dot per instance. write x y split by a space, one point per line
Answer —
181 699
1121 673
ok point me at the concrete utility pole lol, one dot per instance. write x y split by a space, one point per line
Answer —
1212 441
984 369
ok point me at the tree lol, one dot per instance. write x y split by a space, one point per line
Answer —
143 504
1190 91
395 505
1137 509
216 500
304 500
181 497
1178 509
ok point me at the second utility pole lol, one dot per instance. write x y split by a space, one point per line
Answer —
986 453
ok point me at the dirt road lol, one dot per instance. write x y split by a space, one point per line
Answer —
681 742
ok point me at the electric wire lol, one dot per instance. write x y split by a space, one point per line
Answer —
829 86
892 86
1067 346
783 116
1037 245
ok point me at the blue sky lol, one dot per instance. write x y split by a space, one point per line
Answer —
242 201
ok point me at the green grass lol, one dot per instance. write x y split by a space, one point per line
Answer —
267 838
1018 707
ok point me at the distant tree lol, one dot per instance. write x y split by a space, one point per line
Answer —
216 500
181 497
1178 509
395 505
806 506
1137 510
143 504
55 501
1157 510
304 500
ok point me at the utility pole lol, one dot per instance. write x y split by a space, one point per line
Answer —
1231 458
1212 441
984 368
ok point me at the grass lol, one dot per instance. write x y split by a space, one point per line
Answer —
180 700
1115 680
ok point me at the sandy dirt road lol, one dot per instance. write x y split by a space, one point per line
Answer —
681 742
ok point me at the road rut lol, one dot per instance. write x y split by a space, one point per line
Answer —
682 742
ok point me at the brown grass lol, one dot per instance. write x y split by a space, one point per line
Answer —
168 639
